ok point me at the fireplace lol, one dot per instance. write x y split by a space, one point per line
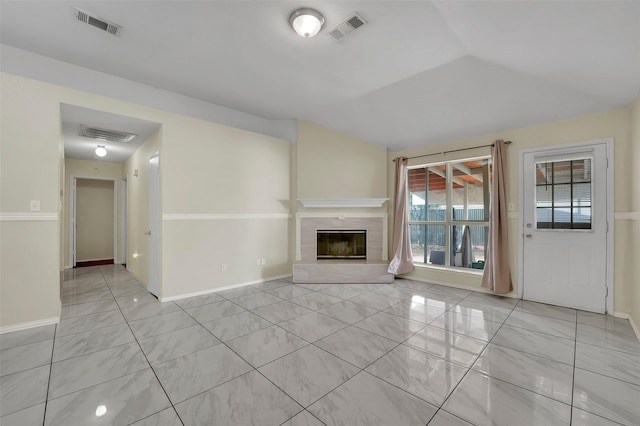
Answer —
341 244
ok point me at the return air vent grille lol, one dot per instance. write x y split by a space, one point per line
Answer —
106 135
83 16
347 26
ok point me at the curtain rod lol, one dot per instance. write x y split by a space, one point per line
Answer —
454 150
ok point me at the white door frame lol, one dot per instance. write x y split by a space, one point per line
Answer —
123 220
72 216
609 209
155 233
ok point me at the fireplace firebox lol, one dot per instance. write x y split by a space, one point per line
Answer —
341 244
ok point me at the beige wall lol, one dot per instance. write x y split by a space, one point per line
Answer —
226 200
97 170
30 168
138 206
610 124
94 219
633 252
232 179
335 165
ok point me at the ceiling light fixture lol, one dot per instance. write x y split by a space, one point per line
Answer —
101 151
306 22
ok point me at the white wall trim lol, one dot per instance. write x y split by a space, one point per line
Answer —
28 217
627 216
226 216
28 325
342 202
511 295
217 289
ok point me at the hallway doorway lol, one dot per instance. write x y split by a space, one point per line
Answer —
93 221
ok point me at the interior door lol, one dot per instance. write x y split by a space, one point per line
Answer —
154 225
565 227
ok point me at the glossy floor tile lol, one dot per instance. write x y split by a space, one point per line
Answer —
247 400
482 400
390 326
540 344
357 346
427 377
366 400
537 374
607 397
277 353
308 374
453 347
263 346
313 326
197 372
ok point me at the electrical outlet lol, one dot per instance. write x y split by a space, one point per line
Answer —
223 267
258 262
35 205
264 262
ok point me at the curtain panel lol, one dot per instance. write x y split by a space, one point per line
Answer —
496 276
402 261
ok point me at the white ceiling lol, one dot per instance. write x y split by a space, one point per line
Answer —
82 148
420 72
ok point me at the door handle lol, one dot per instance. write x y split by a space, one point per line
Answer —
528 235
147 233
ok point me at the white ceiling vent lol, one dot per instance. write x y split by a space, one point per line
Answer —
100 23
347 26
105 135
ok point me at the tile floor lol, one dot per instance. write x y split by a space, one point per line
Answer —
275 353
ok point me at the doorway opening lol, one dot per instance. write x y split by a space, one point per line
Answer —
93 224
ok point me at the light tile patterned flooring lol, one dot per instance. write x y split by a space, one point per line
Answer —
275 353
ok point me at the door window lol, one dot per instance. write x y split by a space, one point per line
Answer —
563 194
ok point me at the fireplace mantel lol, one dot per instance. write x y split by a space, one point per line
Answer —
341 202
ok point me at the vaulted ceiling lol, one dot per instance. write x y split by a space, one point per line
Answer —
418 73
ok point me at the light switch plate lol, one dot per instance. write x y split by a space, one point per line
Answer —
35 205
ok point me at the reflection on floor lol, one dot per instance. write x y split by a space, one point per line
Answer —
275 353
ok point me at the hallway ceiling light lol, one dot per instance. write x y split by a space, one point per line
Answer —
306 22
101 151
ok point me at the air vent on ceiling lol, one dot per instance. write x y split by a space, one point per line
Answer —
109 27
105 135
347 26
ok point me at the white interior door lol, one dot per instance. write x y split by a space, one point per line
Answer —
125 206
565 227
154 225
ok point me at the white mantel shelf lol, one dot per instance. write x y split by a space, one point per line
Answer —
341 202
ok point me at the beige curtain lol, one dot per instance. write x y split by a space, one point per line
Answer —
496 276
402 261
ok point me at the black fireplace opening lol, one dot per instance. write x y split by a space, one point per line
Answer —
342 244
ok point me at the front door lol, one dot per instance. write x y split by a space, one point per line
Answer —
565 226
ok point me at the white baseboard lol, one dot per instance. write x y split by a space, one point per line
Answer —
635 327
217 289
28 325
623 315
512 295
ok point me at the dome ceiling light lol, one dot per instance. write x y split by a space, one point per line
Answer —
101 151
306 22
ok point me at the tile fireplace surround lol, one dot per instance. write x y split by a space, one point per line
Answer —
308 269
